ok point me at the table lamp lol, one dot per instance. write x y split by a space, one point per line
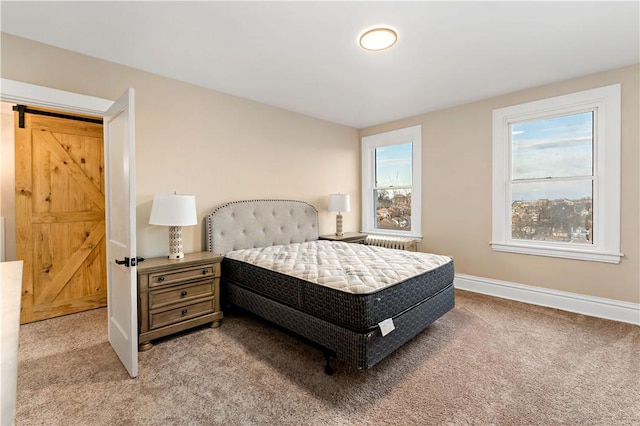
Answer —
174 211
339 203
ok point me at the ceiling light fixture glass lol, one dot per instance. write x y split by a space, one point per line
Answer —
378 38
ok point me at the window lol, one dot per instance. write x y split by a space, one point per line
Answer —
391 176
556 176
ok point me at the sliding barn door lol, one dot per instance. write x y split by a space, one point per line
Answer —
60 216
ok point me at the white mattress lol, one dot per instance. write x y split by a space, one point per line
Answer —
351 268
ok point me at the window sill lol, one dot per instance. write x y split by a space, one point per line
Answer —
387 233
561 252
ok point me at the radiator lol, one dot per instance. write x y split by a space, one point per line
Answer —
399 243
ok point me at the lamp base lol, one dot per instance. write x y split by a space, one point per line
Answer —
339 232
175 242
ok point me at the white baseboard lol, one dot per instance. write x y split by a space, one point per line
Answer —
587 305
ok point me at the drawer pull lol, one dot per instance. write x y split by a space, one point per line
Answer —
204 271
160 278
183 294
184 312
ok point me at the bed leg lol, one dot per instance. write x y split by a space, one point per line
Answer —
328 370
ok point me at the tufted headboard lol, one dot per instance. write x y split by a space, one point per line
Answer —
260 223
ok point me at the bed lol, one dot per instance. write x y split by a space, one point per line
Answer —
358 303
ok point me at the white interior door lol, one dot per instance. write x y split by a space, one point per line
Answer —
119 144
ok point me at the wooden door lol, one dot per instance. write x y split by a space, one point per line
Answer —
60 216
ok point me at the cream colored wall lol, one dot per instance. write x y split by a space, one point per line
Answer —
193 140
457 172
222 148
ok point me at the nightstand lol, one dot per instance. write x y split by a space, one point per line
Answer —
348 237
175 295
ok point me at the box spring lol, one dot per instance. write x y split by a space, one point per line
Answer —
360 349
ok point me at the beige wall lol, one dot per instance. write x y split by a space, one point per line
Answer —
224 148
192 140
457 173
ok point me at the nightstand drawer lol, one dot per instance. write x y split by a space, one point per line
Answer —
183 293
186 274
160 319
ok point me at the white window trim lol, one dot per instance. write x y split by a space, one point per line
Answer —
606 198
369 144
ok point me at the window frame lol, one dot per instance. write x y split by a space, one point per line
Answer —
368 146
605 102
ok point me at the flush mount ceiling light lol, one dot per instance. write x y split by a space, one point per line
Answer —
378 38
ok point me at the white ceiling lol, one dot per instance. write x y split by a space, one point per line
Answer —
304 57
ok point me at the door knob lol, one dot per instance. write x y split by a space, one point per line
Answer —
130 262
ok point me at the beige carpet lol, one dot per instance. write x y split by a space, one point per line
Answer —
488 361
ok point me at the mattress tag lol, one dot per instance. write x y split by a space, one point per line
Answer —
386 326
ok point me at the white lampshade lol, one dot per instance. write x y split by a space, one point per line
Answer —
173 210
339 203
